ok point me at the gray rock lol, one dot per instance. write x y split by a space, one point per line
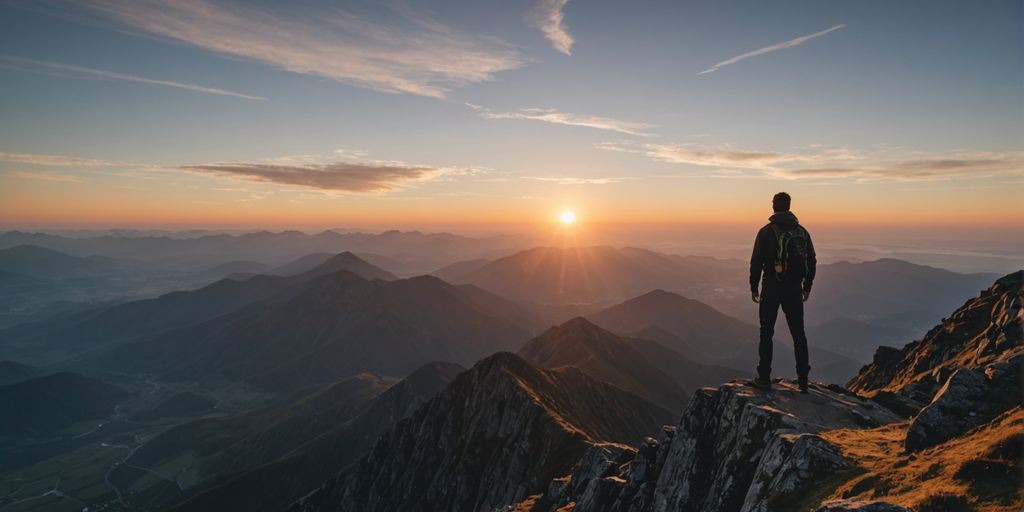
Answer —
968 399
791 464
735 448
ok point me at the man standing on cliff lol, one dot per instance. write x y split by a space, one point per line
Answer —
783 264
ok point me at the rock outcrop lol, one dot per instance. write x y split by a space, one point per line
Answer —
499 433
962 374
969 398
980 332
736 448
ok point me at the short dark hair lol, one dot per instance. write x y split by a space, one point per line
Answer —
781 201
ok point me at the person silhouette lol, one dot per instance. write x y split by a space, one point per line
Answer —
783 263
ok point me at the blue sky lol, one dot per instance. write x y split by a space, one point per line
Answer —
505 110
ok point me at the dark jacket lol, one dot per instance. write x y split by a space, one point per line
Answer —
766 245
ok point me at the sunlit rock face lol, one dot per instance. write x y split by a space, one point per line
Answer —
735 448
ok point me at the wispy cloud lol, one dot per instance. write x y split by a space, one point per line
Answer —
52 160
548 17
337 176
554 116
569 180
769 49
420 56
832 163
47 176
971 165
69 69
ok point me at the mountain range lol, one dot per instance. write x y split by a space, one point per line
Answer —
500 435
418 252
100 328
330 327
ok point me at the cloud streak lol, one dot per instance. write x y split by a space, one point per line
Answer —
52 160
420 56
832 163
569 180
564 118
32 64
548 17
769 49
337 176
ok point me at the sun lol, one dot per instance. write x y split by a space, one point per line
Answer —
567 217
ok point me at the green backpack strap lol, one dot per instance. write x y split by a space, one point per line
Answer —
781 241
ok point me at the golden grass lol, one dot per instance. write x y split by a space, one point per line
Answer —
908 479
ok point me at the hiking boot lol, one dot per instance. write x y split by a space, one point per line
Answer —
802 382
761 383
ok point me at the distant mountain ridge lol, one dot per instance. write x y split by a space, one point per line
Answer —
426 251
328 328
557 275
95 330
43 263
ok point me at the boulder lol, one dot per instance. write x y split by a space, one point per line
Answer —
969 398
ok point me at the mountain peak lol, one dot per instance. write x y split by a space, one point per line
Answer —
604 356
498 433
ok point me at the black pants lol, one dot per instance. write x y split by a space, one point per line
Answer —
787 295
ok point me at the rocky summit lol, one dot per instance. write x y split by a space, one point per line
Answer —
934 426
735 448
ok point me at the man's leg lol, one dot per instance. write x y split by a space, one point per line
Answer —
793 307
768 311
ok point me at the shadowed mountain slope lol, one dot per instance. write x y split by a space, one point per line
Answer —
47 404
697 330
13 371
604 356
499 432
275 484
325 263
703 334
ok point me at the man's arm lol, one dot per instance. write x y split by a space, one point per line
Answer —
812 264
756 259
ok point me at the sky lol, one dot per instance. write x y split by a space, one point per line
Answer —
498 113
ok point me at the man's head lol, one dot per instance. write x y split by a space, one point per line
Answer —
780 202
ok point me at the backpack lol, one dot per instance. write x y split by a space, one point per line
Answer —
792 249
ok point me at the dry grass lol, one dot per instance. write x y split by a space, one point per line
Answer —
983 466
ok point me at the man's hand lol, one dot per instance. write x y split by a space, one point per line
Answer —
756 297
806 295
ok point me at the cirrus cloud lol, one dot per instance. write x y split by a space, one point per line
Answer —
550 115
336 176
769 49
421 56
832 163
548 17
